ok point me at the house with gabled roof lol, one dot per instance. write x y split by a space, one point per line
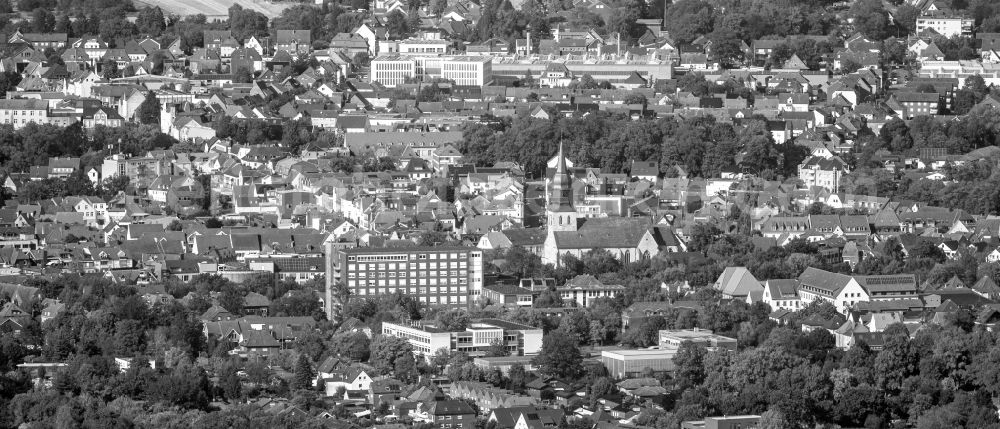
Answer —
737 283
781 294
987 288
350 378
13 318
297 41
795 63
841 290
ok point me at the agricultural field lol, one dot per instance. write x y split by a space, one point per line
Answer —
213 9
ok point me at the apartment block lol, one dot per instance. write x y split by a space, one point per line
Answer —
945 26
20 112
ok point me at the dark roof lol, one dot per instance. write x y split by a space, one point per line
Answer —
525 236
827 281
505 289
888 283
450 407
610 232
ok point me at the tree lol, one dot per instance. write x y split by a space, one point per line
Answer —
150 21
385 349
773 419
149 111
396 25
871 19
645 333
497 348
245 23
906 17
548 298
109 69
242 75
258 372
229 381
690 364
186 386
354 345
130 338
726 47
635 98
405 368
116 28
517 375
687 20
304 374
231 298
453 320
8 81
296 303
560 356
896 134
586 82
438 7
42 21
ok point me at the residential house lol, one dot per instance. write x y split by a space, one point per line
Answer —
737 283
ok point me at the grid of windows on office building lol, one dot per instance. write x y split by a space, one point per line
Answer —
434 278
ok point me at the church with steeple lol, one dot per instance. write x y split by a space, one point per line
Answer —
628 238
559 212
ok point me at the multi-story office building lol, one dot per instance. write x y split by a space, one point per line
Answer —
468 70
449 276
520 340
393 70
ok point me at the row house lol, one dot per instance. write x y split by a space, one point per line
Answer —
488 397
40 41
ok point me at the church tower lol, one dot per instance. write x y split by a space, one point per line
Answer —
560 214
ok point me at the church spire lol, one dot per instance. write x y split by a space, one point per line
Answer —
561 160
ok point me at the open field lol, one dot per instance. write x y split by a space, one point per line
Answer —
213 9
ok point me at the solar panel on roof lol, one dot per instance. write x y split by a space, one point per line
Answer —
887 280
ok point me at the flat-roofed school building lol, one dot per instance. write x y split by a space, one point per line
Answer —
520 340
628 363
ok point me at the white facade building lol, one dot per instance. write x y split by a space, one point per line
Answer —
520 340
393 70
945 26
472 71
20 112
423 47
